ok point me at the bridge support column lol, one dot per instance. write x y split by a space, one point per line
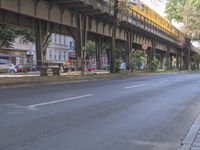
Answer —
178 61
151 53
80 38
168 58
197 63
98 44
171 61
98 53
182 60
101 44
42 35
161 60
128 48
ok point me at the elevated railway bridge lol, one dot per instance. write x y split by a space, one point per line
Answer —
91 20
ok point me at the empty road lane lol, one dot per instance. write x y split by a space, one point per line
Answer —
144 113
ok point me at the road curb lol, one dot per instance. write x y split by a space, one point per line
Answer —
191 135
66 79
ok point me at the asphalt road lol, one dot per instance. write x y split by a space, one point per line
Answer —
146 113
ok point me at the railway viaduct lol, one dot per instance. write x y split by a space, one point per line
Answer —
89 20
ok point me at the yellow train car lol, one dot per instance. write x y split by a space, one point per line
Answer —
143 12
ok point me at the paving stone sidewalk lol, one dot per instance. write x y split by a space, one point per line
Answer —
196 143
192 139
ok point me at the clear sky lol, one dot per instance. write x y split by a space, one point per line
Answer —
157 5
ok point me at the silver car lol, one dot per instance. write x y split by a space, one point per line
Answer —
7 67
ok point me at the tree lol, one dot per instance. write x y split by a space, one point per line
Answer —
9 33
113 44
119 7
90 49
186 12
7 36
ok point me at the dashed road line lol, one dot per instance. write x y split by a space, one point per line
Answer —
134 86
58 101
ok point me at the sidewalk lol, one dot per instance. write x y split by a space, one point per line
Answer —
192 139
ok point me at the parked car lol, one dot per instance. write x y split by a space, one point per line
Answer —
24 68
91 68
7 67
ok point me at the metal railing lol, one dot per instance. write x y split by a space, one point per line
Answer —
144 23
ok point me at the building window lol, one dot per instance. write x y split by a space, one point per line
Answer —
64 55
59 55
71 45
65 40
50 55
54 38
55 56
60 38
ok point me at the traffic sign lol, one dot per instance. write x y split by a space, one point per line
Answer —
145 46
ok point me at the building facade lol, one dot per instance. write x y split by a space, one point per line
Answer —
60 48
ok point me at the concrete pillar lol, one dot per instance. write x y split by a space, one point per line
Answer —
178 61
80 41
99 46
181 59
42 35
161 59
38 44
151 53
171 61
197 64
168 58
128 48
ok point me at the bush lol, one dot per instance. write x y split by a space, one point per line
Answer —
153 66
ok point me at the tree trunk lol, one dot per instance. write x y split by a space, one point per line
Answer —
113 45
188 54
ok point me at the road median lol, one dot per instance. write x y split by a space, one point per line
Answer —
31 80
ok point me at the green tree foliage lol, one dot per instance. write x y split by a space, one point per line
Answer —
186 12
174 10
137 59
119 6
153 66
26 34
90 49
9 33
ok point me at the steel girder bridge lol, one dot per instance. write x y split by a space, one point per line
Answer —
88 20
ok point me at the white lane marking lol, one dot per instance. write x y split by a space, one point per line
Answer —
58 101
130 87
